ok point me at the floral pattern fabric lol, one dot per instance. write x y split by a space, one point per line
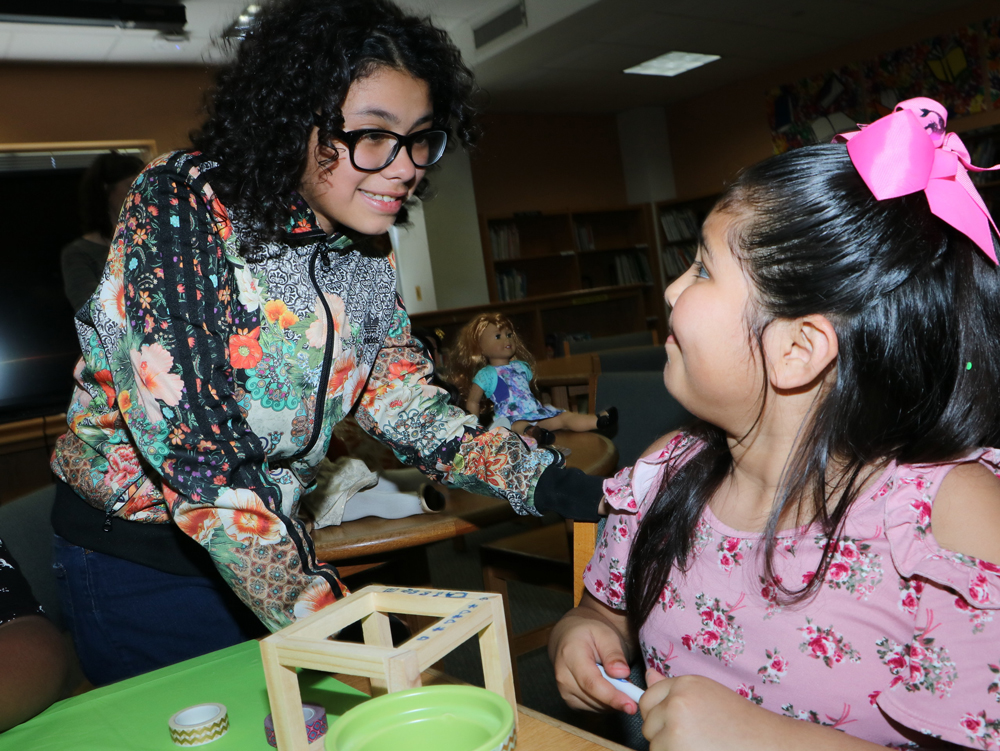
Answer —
209 386
901 631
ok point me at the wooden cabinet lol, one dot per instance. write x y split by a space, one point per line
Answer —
537 257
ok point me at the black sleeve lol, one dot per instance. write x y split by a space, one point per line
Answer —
570 493
16 600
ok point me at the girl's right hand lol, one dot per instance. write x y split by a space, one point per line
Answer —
583 638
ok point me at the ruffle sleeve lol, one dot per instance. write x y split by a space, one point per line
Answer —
945 682
629 492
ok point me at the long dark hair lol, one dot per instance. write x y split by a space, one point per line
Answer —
299 59
95 190
913 303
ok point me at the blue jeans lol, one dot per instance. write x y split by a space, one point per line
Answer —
128 619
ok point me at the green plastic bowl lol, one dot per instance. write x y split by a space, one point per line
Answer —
430 718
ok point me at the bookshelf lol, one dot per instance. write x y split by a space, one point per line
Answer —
534 256
677 227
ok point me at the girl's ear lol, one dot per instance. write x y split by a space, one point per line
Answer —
800 350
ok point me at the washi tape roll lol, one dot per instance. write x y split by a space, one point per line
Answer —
316 725
198 725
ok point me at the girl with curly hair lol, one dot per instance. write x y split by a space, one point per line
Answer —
240 316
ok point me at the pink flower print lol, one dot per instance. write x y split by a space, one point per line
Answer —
619 529
873 697
923 509
811 715
670 598
720 636
909 595
730 551
616 579
748 692
656 661
618 491
702 536
987 566
826 644
787 546
775 668
981 730
316 333
979 589
769 591
994 687
853 567
977 617
154 381
919 664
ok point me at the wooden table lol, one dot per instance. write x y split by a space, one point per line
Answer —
536 731
464 512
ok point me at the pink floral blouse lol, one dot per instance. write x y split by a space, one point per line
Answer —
902 635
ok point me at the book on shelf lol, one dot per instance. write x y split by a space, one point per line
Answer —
677 259
511 285
679 224
632 268
585 236
505 241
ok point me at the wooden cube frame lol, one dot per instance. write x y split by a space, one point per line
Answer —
306 644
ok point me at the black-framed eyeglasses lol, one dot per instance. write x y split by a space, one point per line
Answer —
372 150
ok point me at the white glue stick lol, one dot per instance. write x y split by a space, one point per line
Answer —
630 690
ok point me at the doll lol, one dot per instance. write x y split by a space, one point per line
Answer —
491 360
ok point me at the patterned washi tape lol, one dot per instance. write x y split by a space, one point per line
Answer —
198 725
316 725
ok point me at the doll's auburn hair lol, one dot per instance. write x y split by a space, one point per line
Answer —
915 306
467 358
292 71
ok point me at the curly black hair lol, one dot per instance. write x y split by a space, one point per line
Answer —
298 59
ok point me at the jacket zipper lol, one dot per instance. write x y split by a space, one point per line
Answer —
324 374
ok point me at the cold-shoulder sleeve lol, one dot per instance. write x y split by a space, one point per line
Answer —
945 681
630 493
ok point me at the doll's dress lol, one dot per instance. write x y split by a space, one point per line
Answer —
509 388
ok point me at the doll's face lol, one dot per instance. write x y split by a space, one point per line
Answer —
497 345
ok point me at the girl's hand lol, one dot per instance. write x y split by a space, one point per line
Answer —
693 712
578 642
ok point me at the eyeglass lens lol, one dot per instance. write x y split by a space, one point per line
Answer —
374 151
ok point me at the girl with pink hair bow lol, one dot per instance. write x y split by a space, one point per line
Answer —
816 562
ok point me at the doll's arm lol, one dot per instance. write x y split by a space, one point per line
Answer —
473 402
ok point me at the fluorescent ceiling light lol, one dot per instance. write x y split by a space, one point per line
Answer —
671 64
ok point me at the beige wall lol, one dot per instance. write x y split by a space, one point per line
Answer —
43 103
546 162
714 135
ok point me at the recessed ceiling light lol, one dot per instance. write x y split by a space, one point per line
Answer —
671 64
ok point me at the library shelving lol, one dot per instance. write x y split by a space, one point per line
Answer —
533 256
677 229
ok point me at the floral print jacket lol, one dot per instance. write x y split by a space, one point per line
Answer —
209 386
900 646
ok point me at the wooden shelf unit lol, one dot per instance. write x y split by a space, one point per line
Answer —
677 247
532 257
607 311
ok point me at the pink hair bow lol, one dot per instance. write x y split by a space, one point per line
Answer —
908 151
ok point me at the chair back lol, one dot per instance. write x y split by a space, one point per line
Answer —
646 410
631 359
26 529
618 341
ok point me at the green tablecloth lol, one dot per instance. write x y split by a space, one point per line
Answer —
133 714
